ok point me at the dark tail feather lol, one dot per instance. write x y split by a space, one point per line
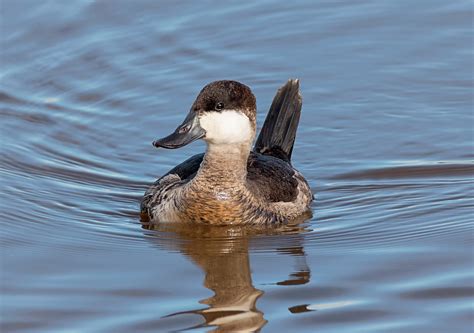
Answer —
278 133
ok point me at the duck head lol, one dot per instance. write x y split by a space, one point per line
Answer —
223 113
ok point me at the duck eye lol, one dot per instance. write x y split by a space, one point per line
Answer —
219 106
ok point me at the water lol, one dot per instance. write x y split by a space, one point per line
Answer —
386 142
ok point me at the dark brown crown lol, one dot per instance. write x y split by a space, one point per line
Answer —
221 96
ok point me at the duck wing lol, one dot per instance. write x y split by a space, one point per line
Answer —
271 178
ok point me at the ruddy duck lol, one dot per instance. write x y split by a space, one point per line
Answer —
231 183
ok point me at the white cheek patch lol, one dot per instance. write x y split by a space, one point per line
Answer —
226 127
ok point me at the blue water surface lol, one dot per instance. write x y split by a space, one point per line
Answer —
385 141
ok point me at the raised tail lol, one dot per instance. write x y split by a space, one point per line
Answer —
278 133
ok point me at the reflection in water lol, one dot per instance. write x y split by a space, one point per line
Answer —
223 255
303 274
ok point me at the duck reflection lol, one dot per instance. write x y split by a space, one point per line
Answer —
223 255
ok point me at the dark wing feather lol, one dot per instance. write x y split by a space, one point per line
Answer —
272 178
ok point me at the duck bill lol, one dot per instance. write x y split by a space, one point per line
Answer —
187 132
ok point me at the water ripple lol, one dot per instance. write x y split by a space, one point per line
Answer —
86 86
411 171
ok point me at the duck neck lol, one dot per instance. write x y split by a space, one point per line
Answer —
224 164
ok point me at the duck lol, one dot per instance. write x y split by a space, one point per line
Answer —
232 183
